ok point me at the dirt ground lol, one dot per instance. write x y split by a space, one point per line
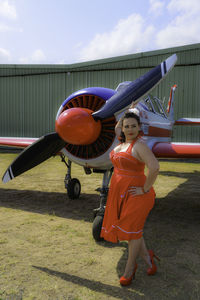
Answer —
47 250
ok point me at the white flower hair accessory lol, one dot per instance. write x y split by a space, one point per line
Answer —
135 111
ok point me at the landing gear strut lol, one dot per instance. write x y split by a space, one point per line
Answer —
99 212
72 185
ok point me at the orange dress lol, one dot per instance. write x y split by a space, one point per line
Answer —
125 214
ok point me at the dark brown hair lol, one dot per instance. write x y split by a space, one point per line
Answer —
127 116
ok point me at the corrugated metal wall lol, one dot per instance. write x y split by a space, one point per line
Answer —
30 95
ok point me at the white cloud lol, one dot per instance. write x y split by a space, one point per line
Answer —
136 34
24 60
5 28
4 56
156 7
7 9
128 36
184 28
36 57
186 6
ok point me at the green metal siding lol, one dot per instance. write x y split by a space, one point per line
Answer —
11 99
30 95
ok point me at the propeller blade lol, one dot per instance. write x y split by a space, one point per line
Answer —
135 90
45 147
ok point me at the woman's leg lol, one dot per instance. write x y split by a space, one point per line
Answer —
144 253
134 247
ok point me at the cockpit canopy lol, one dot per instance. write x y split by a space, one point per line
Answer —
152 104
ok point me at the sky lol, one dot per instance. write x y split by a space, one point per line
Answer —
73 31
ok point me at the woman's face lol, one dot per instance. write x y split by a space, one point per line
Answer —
130 128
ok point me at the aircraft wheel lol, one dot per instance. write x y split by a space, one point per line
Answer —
73 188
96 228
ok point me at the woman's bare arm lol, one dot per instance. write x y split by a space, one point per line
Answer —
118 127
146 155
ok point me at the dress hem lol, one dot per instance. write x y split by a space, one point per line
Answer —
117 234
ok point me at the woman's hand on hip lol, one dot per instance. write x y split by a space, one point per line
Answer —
135 190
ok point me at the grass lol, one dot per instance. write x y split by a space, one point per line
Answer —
47 249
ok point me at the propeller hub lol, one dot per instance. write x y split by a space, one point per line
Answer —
77 126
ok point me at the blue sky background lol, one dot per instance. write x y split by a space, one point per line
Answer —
70 31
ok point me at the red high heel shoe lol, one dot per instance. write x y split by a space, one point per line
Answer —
153 269
127 281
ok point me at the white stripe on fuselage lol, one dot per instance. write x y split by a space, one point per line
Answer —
186 144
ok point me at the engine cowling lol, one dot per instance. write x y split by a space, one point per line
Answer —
91 99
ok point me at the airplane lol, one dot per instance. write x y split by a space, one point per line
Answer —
85 132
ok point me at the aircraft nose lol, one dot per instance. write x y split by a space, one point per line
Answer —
77 126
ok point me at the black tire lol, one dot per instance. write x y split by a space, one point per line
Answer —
73 188
96 228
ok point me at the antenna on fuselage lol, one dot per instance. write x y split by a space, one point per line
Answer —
170 108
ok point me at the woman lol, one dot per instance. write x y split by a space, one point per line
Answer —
131 195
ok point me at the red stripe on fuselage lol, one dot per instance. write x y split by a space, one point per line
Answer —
158 132
17 142
187 122
173 150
